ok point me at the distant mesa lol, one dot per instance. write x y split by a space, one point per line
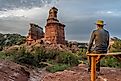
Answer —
54 30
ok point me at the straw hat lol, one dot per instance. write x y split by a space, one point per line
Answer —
100 22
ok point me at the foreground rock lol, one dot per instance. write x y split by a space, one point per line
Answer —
75 74
10 71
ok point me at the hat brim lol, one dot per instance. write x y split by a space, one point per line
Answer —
99 24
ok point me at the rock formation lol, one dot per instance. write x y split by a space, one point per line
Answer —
54 30
35 33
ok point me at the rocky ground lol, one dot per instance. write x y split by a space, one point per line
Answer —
10 71
80 73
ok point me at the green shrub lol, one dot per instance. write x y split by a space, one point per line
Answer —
8 55
110 62
116 47
24 57
2 55
45 55
57 67
82 55
67 58
52 54
11 39
40 56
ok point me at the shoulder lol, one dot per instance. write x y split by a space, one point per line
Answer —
106 30
94 31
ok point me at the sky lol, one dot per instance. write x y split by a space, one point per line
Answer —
79 16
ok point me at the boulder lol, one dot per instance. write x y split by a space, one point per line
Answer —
10 71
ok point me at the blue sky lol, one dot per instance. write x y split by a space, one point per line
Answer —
79 16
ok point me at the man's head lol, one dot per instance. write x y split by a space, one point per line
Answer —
100 23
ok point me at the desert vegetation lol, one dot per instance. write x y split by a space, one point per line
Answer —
54 60
11 39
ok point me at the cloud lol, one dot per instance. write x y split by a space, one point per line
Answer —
27 13
79 16
11 4
17 20
109 13
14 25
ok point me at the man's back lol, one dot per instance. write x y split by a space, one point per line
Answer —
101 39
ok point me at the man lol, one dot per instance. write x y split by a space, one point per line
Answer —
100 38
